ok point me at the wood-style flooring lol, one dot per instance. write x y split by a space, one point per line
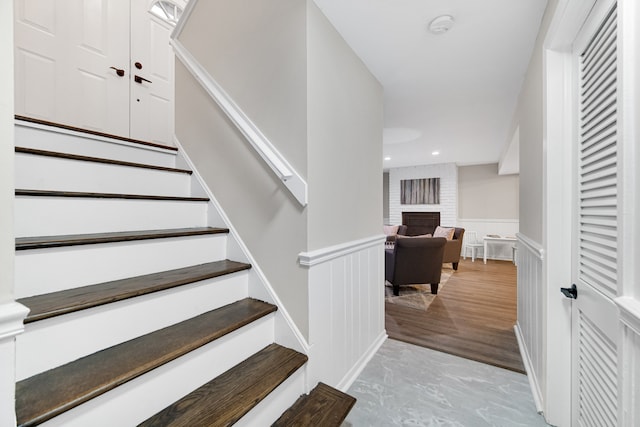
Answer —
472 316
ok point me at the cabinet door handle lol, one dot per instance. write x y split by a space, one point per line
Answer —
119 71
139 79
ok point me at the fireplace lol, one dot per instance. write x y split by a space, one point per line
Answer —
420 222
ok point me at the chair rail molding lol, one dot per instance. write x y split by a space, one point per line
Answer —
12 315
271 156
318 256
532 246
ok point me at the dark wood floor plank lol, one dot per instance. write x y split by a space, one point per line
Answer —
324 406
42 242
82 194
227 398
78 157
50 393
93 132
71 300
472 317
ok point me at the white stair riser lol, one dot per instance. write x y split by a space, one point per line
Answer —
34 172
94 146
50 216
40 271
69 337
130 404
269 410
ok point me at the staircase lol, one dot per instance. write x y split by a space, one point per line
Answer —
137 317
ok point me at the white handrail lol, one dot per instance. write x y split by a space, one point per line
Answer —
276 161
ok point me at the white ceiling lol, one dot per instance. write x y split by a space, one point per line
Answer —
455 92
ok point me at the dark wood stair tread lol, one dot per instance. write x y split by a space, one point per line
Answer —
79 157
68 301
324 406
83 194
45 395
227 398
42 242
93 132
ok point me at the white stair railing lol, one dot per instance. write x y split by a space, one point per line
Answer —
276 161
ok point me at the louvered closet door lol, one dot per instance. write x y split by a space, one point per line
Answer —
595 316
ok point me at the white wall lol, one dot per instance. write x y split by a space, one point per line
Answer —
448 207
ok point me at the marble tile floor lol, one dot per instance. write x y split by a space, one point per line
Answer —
407 385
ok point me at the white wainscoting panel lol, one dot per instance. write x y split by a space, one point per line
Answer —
346 309
629 361
530 325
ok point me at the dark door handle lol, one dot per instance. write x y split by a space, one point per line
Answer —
571 292
119 71
139 79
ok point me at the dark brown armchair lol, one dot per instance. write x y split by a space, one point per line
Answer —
453 248
415 260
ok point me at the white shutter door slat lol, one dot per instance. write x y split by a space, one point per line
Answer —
597 221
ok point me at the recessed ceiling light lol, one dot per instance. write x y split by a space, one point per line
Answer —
387 158
441 24
435 153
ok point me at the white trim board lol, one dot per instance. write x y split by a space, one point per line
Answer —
302 344
12 316
292 180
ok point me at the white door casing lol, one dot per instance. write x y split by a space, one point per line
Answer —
596 260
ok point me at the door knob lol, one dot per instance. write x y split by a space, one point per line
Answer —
571 292
139 79
119 71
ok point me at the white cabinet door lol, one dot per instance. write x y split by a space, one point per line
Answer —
64 51
595 317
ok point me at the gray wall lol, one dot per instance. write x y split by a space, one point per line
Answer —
297 80
483 194
529 116
257 52
345 139
385 196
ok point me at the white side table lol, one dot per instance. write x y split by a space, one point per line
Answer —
496 239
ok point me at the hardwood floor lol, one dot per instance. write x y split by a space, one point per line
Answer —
472 317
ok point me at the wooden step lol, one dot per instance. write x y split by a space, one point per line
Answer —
93 132
81 194
324 406
78 157
46 395
227 398
42 242
71 300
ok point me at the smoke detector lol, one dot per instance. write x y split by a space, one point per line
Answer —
441 24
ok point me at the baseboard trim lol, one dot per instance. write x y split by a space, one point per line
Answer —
318 256
362 362
528 367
